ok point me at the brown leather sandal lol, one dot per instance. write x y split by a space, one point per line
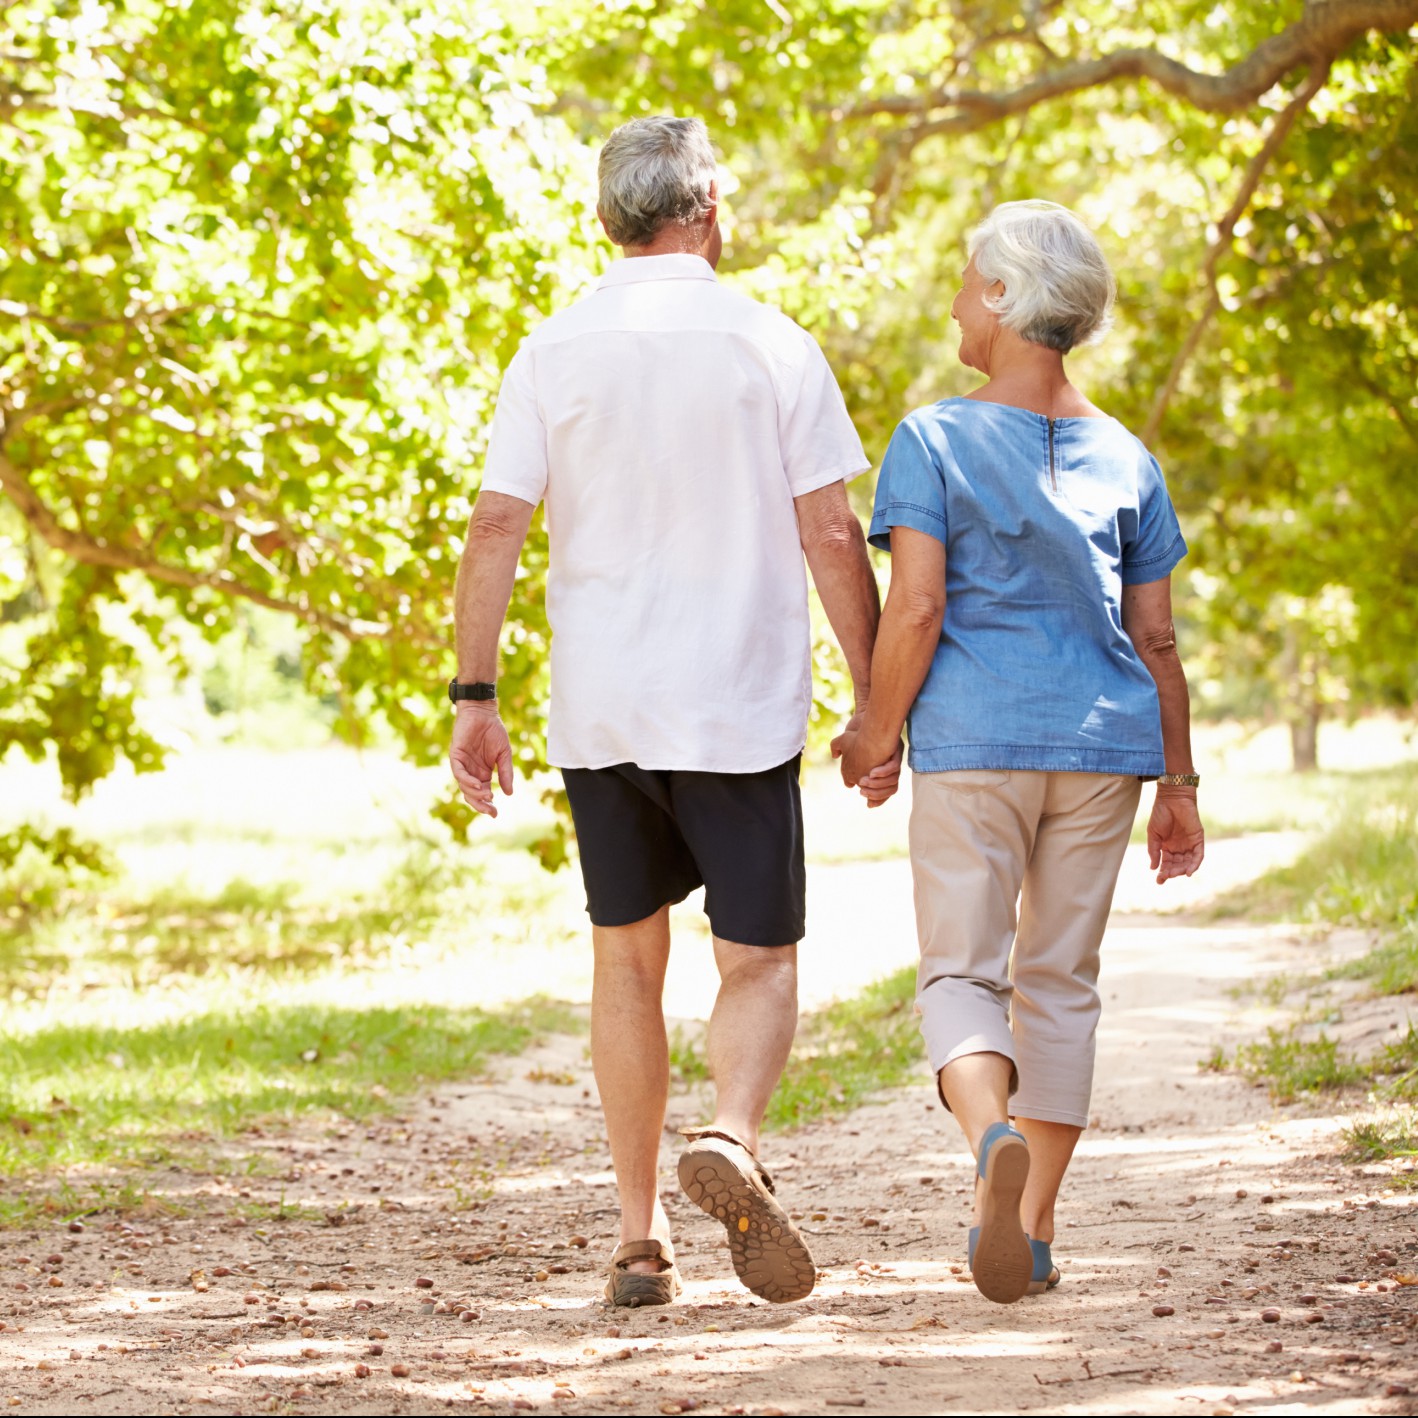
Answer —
722 1177
633 1288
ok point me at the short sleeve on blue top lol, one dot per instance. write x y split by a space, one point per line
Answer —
1043 521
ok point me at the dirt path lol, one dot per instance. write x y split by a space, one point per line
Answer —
1194 1209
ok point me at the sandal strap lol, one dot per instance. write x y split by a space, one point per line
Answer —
698 1133
993 1134
707 1130
632 1251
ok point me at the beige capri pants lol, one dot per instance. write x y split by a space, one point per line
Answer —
1019 983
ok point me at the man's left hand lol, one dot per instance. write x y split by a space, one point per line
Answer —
877 774
480 748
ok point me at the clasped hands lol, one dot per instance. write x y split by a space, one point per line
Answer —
869 764
481 752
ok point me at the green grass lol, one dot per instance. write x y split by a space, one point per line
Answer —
1384 1139
1291 1066
687 1062
843 1054
1237 801
1363 871
74 1095
850 1050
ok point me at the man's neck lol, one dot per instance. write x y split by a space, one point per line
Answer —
677 242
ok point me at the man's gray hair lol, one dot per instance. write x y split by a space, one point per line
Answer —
1058 290
654 171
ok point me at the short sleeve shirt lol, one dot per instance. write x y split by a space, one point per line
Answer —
669 422
1044 521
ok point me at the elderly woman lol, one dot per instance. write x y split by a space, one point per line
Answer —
1027 638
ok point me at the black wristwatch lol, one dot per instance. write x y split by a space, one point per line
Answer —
480 690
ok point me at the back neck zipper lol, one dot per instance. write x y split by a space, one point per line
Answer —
1053 471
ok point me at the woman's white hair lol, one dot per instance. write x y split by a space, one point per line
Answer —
654 171
1058 290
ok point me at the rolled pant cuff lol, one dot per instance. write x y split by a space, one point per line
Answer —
983 1042
1028 1110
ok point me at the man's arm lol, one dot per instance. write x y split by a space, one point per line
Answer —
486 575
836 551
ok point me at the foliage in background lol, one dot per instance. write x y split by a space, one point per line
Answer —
36 868
260 270
261 267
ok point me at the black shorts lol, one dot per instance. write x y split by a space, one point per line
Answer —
650 837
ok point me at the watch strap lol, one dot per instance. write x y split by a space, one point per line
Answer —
1180 780
477 690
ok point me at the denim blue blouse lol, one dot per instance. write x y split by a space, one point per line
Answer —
1044 521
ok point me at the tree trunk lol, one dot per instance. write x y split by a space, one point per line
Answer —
1304 740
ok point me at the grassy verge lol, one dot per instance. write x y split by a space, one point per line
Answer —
1293 1066
850 1050
111 1096
844 1053
1382 1138
1363 872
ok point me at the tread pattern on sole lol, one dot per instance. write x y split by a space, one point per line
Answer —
769 1255
1004 1261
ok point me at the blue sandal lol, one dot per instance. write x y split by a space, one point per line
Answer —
1046 1273
1002 1258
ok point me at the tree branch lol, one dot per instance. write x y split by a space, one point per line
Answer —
1324 28
94 552
1225 230
1388 399
15 310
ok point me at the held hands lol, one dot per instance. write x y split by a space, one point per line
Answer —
1175 840
480 746
874 769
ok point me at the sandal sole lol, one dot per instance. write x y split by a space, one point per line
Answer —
769 1255
1004 1261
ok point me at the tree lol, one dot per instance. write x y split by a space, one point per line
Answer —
260 271
261 267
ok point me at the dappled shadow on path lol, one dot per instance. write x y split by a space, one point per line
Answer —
1214 1255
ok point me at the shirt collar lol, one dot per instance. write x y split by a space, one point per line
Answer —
676 266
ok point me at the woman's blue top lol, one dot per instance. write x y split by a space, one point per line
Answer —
1044 521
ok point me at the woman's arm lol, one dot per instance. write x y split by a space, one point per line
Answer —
906 643
1175 840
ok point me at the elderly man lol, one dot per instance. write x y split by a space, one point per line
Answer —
691 445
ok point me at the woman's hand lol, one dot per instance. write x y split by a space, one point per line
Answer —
1175 840
871 767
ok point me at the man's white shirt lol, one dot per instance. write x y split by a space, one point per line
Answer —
669 423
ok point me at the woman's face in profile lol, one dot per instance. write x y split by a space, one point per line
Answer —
977 322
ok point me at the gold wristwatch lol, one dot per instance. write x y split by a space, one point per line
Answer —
1179 780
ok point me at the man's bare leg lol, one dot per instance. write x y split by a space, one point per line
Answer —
751 1031
631 1058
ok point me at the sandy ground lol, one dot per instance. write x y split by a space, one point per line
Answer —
1217 1257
